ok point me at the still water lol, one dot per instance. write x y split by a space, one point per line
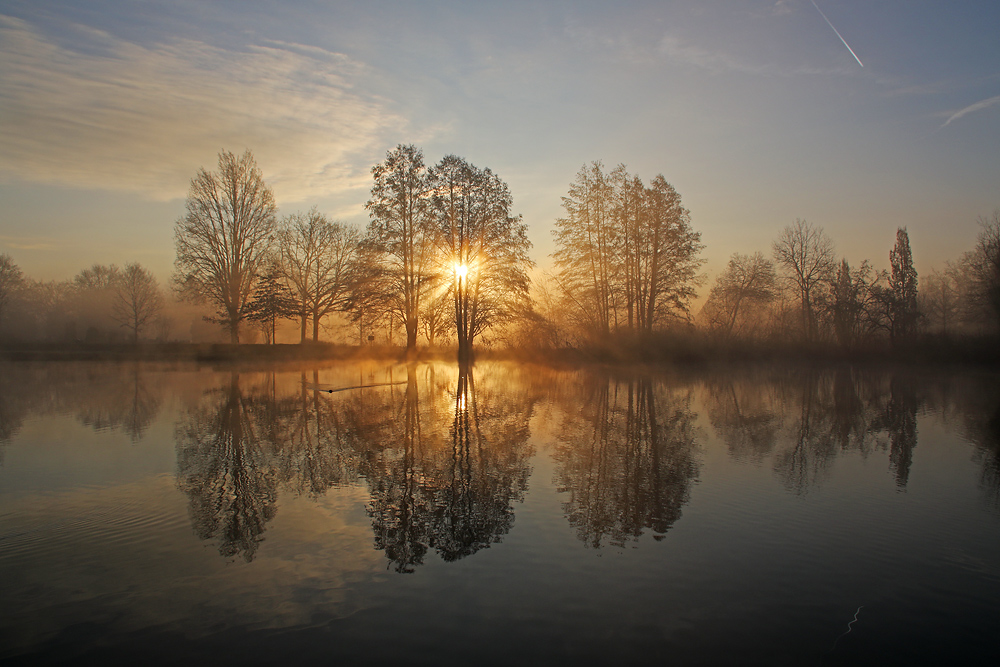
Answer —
506 515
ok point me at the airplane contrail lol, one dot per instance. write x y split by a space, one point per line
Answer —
838 33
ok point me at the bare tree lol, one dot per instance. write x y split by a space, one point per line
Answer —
401 231
484 246
806 255
941 299
10 281
138 301
585 255
855 303
90 302
626 256
984 268
223 238
318 257
747 283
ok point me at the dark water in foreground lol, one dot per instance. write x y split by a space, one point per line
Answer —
515 515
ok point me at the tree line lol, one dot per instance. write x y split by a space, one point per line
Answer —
803 291
445 259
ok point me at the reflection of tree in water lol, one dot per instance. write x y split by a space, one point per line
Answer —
626 457
447 488
899 420
742 411
226 470
986 435
102 396
973 402
127 402
807 415
312 440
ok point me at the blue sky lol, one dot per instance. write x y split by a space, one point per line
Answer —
754 110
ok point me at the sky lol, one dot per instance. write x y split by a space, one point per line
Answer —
756 111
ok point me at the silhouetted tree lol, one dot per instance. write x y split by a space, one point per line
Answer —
485 247
902 292
806 255
318 257
585 248
401 232
271 301
224 237
138 301
626 256
854 302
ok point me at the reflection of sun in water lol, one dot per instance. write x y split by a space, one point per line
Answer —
461 402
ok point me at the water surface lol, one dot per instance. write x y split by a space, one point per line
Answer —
504 514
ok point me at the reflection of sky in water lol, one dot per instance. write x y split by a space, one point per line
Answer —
756 509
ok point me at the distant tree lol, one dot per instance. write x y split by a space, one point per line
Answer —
941 299
224 237
401 232
854 303
318 257
11 280
485 245
98 276
984 269
806 255
89 303
271 301
902 292
138 301
747 283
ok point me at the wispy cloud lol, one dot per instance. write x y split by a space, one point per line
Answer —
116 115
978 106
714 61
27 243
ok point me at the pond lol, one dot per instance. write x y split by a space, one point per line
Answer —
380 513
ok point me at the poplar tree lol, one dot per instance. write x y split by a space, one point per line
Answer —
903 312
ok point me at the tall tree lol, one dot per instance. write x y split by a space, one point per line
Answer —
401 231
902 305
485 244
626 256
668 258
138 300
585 248
318 257
223 238
806 254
